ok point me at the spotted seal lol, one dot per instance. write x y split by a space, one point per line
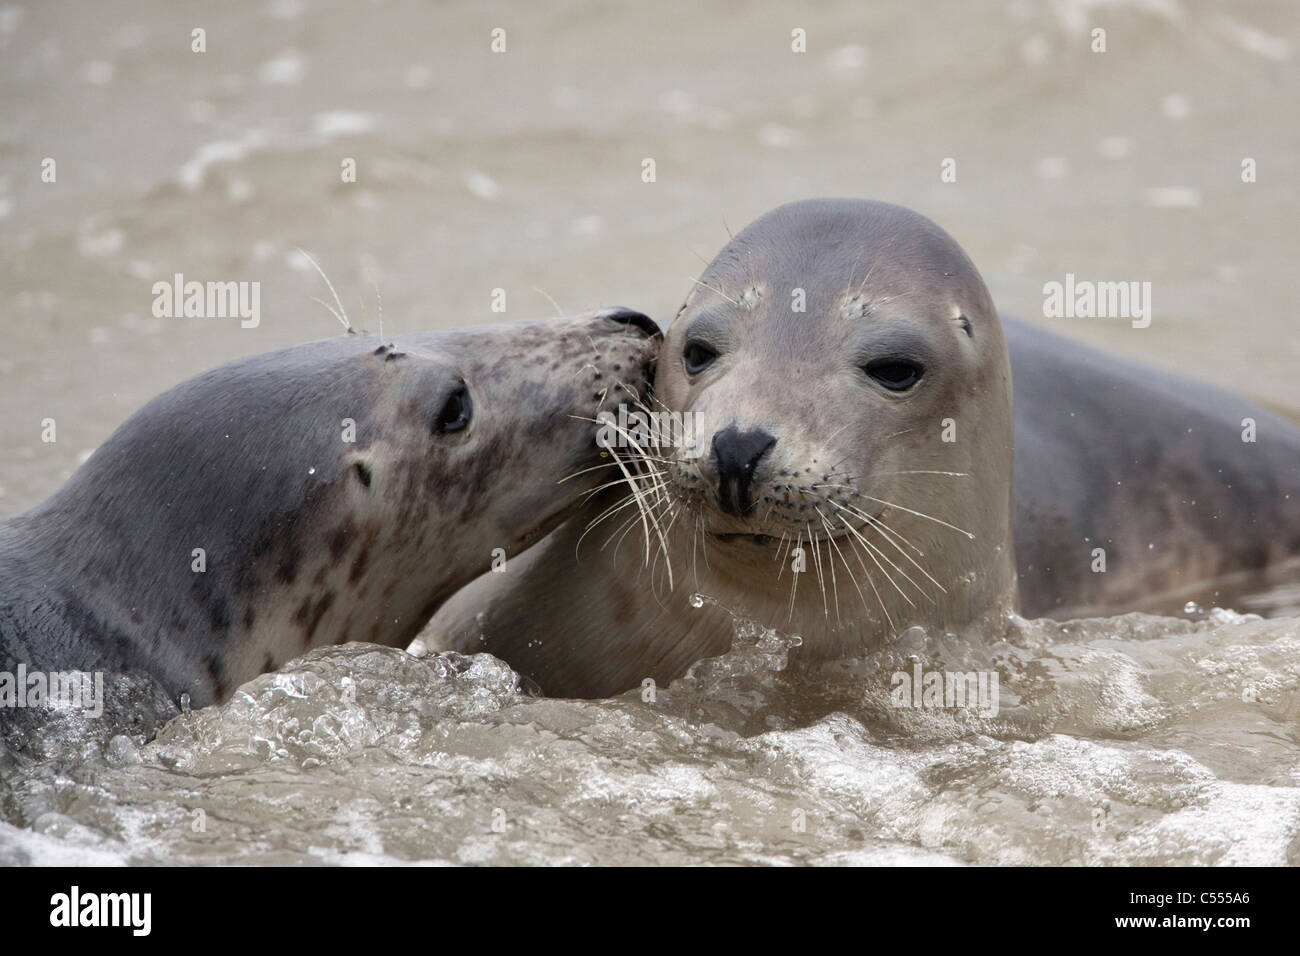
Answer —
328 492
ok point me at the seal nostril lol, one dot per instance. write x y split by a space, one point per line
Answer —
631 317
736 455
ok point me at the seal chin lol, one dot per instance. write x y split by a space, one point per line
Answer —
543 527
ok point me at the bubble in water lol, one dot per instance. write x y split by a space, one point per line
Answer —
1191 607
185 703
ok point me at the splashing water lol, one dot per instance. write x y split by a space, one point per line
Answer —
1134 739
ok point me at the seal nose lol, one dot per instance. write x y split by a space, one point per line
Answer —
736 455
631 317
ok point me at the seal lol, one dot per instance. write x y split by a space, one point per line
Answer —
328 492
848 383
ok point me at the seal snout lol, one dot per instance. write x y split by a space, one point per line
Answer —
736 456
639 320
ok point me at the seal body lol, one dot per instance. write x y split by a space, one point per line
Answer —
851 471
329 492
1136 488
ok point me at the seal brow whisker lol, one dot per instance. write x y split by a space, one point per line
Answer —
546 295
342 314
332 311
718 291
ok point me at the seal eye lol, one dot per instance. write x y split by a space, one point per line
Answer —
456 412
698 357
897 375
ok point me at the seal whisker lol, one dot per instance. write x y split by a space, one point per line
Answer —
887 532
718 291
640 495
608 513
794 579
817 564
953 474
626 527
872 582
835 587
871 547
919 514
332 311
599 488
852 577
546 295
584 471
342 314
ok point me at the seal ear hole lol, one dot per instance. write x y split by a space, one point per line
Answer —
965 325
455 413
363 473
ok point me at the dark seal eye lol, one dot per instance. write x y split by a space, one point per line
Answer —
897 375
456 412
698 357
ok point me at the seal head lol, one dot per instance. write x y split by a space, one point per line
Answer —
848 382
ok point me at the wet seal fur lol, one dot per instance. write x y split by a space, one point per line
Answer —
816 435
462 440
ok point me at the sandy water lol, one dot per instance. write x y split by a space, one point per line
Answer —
1130 739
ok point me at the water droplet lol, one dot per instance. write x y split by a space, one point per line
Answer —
185 703
311 471
1191 607
697 600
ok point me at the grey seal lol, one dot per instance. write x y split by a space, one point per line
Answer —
328 492
851 473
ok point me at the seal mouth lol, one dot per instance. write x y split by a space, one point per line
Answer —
544 526
762 540
766 539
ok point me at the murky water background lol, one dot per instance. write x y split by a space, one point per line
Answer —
1132 739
